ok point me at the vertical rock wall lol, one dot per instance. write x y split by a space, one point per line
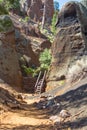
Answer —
49 10
34 9
9 65
70 41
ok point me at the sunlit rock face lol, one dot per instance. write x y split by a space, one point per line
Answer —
9 66
34 9
70 43
67 11
24 5
49 10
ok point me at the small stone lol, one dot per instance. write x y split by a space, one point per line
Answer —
20 97
64 114
56 119
44 107
13 105
53 118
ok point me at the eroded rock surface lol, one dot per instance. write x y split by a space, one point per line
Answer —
34 9
31 47
70 41
9 65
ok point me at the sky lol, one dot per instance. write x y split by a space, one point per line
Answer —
62 2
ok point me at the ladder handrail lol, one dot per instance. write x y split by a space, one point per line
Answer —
41 82
37 79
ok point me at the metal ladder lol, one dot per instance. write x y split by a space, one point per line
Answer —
39 83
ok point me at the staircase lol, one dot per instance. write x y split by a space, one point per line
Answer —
39 83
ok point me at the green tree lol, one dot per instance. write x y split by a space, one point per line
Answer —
45 59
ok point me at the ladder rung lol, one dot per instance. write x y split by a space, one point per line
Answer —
38 86
38 90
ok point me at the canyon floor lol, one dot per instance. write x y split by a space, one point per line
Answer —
18 111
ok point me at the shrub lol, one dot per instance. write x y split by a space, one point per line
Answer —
8 4
53 28
45 60
28 70
25 20
5 23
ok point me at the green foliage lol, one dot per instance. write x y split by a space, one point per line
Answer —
1 1
48 34
2 8
5 5
25 20
5 23
14 4
28 70
45 59
53 28
31 71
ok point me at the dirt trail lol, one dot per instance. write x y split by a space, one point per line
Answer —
30 119
25 116
22 117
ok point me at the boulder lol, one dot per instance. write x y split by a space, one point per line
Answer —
70 42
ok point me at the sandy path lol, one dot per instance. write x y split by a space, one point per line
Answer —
29 119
